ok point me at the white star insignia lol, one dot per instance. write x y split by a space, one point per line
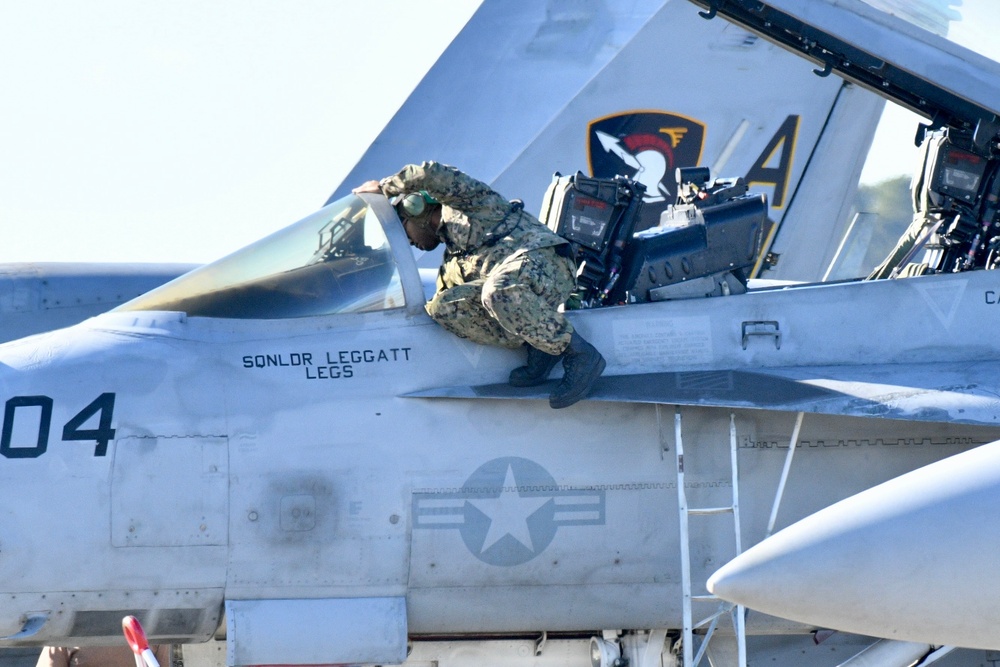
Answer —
509 513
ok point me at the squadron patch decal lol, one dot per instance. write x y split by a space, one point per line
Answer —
647 146
508 510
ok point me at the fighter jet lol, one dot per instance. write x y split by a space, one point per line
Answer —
282 448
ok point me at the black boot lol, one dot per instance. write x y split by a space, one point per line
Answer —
582 365
540 364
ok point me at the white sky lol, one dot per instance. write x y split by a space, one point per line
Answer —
183 130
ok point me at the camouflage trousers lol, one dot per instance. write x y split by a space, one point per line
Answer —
516 303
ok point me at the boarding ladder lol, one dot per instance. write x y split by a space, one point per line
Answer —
685 513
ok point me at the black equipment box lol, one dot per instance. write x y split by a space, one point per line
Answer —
587 211
691 243
597 216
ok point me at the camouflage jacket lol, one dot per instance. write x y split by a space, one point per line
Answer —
479 227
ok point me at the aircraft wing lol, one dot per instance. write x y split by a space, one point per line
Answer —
935 392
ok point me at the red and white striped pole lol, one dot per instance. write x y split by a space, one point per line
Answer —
136 639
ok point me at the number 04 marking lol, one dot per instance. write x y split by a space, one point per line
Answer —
104 405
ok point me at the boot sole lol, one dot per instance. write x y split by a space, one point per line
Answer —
566 401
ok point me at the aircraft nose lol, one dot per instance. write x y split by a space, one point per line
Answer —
911 559
113 445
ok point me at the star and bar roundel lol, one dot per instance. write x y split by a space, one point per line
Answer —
647 146
508 511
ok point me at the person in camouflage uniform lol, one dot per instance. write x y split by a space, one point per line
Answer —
503 277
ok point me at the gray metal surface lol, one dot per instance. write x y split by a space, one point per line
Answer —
546 73
36 297
363 455
912 559
343 488
912 66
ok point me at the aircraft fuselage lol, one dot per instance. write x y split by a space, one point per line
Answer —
160 464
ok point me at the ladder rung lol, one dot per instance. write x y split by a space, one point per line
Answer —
710 510
708 598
